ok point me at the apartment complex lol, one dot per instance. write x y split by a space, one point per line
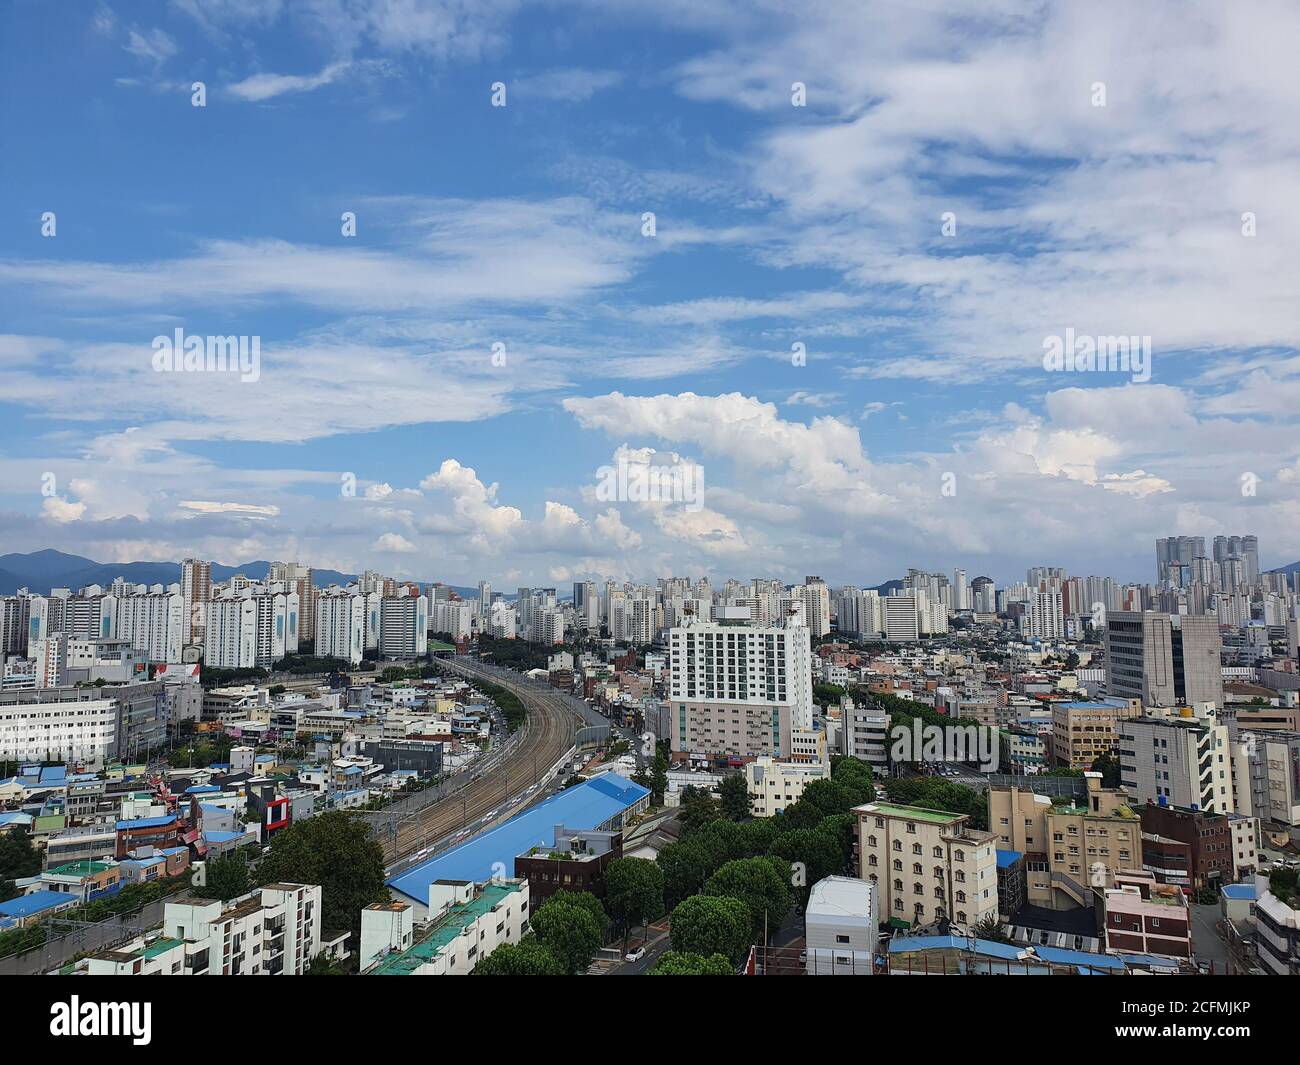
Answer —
468 922
926 865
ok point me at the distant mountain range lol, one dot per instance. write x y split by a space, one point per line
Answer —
40 571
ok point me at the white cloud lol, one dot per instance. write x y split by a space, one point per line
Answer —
259 87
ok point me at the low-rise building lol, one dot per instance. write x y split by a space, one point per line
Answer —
773 785
468 922
1143 916
575 862
841 927
928 865
1277 927
1070 851
272 931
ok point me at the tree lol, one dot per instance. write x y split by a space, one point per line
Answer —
528 957
990 928
659 778
569 930
676 963
762 884
707 924
812 854
735 797
634 893
1108 766
225 877
18 858
698 809
686 867
336 851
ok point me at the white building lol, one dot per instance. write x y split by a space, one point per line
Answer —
341 625
251 627
404 626
467 922
57 725
1178 757
274 931
774 785
738 688
841 926
927 864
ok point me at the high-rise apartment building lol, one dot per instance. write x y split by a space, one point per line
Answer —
737 688
196 590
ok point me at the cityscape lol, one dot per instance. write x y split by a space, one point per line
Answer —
726 488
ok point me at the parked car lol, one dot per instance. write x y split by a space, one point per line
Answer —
635 954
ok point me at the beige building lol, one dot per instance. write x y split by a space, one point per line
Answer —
1071 852
927 864
774 785
1082 731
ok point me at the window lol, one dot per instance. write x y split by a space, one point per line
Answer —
841 939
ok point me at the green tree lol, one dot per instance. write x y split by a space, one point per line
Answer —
813 854
1108 766
569 930
675 963
698 809
529 957
990 928
18 858
336 851
707 924
735 797
634 893
225 877
659 778
686 867
762 884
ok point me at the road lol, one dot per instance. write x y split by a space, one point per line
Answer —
499 787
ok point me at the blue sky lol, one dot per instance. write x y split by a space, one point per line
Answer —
521 226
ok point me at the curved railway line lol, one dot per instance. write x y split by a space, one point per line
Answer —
546 735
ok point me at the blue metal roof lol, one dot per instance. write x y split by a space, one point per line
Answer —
581 807
1239 891
1009 951
1007 859
147 822
26 905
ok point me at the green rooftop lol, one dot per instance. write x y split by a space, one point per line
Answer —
912 813
445 930
160 946
85 868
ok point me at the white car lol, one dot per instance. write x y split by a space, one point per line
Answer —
634 955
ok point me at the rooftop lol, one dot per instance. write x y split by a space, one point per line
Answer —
447 929
582 807
911 813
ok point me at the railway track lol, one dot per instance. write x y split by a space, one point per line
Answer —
547 734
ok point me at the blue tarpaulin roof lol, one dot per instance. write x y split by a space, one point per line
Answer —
583 807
